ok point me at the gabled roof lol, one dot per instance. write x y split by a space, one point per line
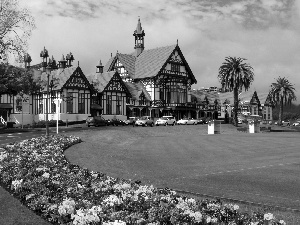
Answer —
244 96
77 71
255 100
128 62
150 62
136 90
100 80
109 64
62 75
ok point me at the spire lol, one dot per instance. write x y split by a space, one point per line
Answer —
99 68
139 39
139 27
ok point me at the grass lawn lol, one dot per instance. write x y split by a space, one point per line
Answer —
251 168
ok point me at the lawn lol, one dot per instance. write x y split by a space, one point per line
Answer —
252 168
181 157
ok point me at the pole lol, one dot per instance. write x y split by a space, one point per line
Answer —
58 101
22 112
47 124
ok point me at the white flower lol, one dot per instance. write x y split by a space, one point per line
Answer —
46 175
208 219
268 216
112 200
3 155
282 222
67 207
236 207
85 216
191 201
29 196
214 220
16 184
198 216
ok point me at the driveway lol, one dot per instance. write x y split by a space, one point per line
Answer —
259 168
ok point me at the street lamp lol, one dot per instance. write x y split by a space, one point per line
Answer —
47 68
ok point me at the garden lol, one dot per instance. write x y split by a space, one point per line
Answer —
37 173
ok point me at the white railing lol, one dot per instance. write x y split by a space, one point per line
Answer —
2 120
16 121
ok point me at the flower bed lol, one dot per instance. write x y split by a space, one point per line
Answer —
37 172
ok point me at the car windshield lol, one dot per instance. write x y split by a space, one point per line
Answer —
162 118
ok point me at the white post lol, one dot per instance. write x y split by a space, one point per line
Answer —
58 101
22 111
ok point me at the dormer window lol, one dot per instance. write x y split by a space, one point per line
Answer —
175 67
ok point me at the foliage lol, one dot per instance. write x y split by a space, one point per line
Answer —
8 79
234 75
15 29
15 80
36 172
282 92
291 112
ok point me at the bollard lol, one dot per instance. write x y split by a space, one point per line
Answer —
66 122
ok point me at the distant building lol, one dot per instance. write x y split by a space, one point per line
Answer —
218 105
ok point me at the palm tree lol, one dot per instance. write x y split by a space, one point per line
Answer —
282 92
234 75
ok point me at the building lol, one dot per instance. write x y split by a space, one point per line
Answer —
152 82
159 80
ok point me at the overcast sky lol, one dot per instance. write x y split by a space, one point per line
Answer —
265 32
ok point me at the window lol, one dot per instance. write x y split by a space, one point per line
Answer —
69 102
142 99
53 107
119 105
81 103
175 67
19 104
109 104
41 108
161 94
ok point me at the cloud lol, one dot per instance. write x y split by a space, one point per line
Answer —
264 32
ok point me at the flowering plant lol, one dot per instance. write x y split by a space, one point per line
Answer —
37 172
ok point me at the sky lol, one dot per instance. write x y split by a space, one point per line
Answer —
264 32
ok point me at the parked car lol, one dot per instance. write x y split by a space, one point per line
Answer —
95 121
297 123
117 122
186 121
108 122
144 121
131 120
182 121
285 123
166 120
202 120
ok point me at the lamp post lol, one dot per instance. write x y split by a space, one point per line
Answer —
47 68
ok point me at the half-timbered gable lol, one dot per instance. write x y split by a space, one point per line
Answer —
140 100
76 81
72 87
113 93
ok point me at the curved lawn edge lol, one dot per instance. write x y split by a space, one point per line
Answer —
37 172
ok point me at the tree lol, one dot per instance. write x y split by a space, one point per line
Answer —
282 92
8 79
16 25
234 75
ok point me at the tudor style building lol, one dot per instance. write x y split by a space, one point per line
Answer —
152 82
161 76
